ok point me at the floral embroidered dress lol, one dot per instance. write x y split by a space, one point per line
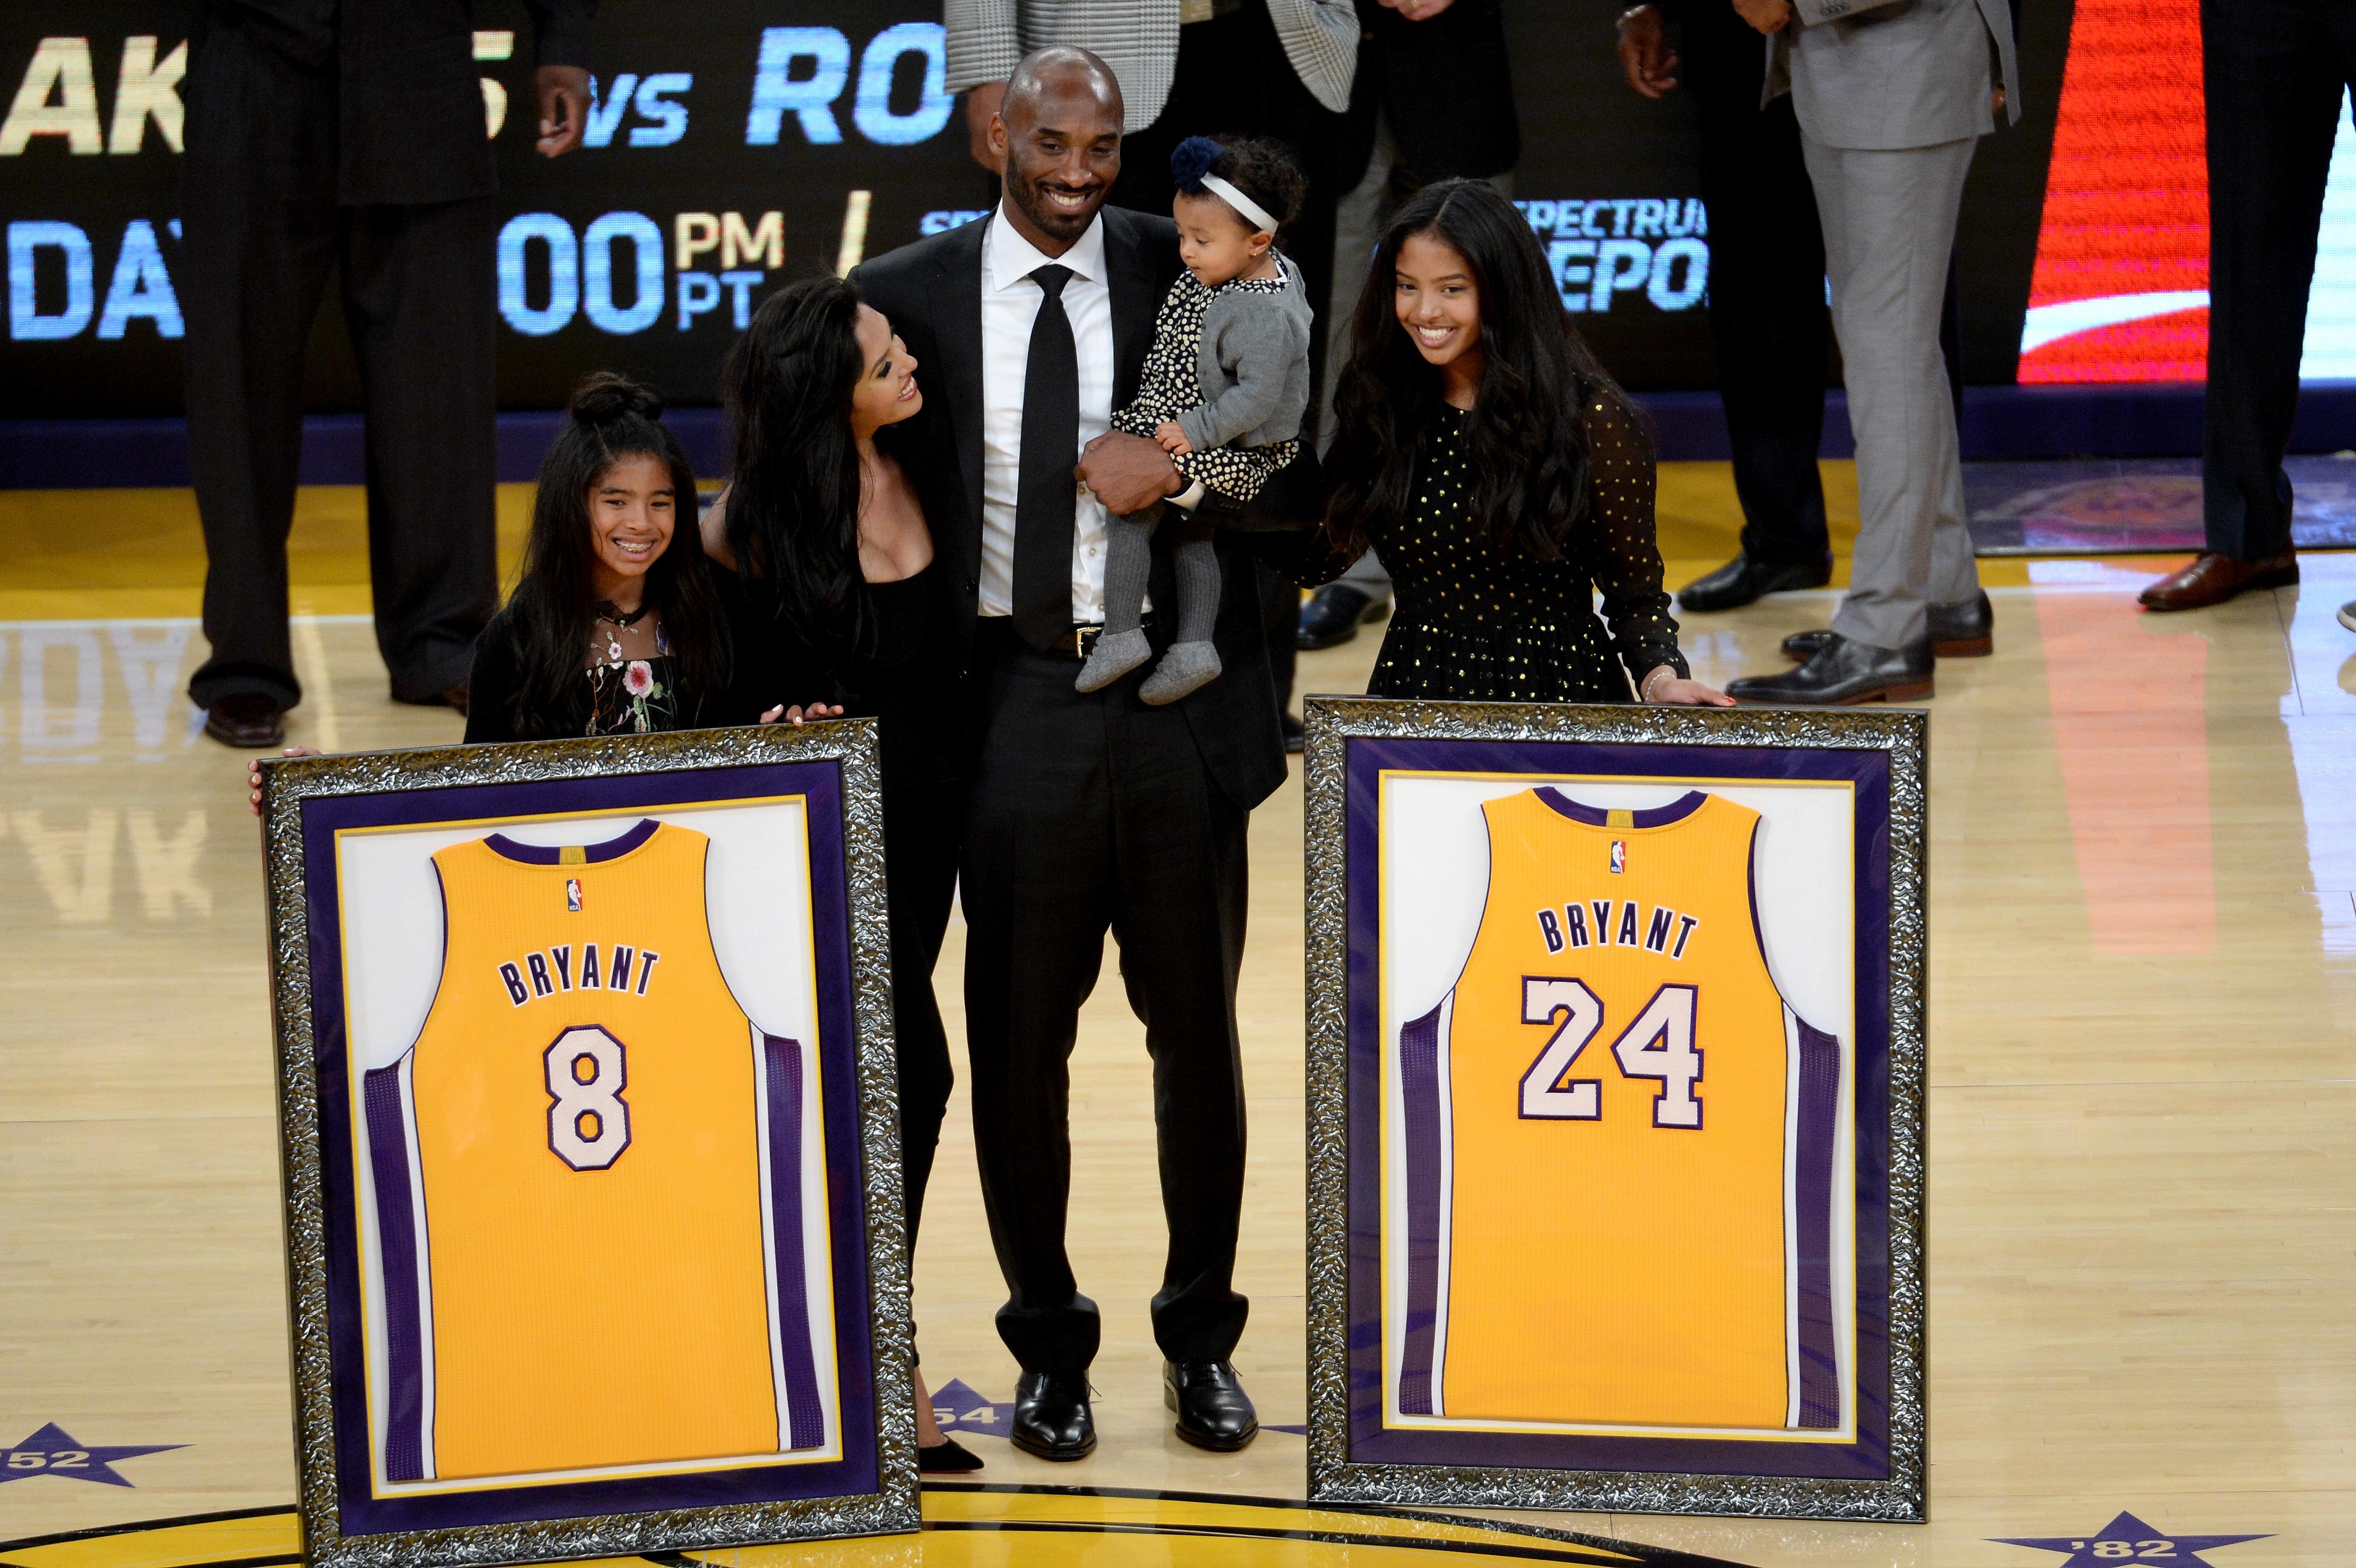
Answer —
633 697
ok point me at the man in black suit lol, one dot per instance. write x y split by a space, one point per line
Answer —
1089 812
324 136
1435 75
1769 323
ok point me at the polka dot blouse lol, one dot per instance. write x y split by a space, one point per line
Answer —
1472 624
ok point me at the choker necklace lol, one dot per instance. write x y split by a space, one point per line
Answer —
610 613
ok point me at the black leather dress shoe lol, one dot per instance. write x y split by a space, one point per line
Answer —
1214 1411
1963 630
1843 673
448 696
1050 1416
1743 579
1333 615
248 719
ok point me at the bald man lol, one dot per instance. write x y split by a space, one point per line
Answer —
1090 812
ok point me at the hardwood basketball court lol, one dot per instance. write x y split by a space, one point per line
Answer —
2143 1025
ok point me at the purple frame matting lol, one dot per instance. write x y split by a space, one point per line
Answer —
856 1473
1370 1441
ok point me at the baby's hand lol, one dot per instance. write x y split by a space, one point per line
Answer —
1172 439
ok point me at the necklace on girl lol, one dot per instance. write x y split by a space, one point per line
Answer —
610 614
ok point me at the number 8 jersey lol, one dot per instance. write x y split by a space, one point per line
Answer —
1618 1140
588 1175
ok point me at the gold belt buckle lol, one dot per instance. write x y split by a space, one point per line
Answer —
1084 639
1195 11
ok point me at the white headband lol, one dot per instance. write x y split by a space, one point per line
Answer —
1243 204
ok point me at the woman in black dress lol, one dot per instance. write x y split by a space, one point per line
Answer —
1500 474
844 599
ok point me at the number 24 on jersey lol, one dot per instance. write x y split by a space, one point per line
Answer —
1657 1044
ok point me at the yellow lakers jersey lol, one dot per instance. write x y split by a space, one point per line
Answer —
1618 1140
588 1173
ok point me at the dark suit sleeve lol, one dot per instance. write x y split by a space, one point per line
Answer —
1292 501
560 30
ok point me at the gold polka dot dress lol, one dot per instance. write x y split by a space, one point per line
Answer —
1474 624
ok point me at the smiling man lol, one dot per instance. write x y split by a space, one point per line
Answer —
1090 812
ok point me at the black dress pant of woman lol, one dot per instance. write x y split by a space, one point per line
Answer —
922 825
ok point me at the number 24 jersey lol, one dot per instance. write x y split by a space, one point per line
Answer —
1618 1140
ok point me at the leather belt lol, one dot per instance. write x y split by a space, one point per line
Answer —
1078 642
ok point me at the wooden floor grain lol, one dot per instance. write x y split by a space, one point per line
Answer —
2143 1014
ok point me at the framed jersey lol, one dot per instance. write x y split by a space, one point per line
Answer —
592 1162
1615 1103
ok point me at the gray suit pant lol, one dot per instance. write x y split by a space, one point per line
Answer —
1890 222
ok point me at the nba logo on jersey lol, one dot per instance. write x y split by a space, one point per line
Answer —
1619 857
572 893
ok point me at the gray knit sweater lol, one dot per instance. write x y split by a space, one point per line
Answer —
1253 361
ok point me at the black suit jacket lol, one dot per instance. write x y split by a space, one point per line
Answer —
931 291
1447 88
408 98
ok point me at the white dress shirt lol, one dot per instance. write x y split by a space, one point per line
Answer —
1009 303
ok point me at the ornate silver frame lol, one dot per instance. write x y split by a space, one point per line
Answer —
893 1507
1334 1476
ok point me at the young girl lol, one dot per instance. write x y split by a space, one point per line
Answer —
610 631
1503 478
1223 390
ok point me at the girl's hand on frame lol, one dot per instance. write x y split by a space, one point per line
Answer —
781 714
1665 688
254 775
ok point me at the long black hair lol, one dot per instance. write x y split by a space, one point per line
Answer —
793 501
552 613
1527 431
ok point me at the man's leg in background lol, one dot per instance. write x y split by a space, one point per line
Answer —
259 224
1769 324
420 294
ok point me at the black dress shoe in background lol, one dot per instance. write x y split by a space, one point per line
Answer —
1843 673
1052 1419
1744 579
448 696
248 719
1335 613
1963 630
1214 1411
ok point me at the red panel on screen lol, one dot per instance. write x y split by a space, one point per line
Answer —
2127 204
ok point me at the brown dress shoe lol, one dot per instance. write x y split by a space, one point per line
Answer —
2212 578
248 719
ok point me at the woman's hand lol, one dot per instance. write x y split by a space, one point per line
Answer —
254 775
794 715
1768 16
1663 687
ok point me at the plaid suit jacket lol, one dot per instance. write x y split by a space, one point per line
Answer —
1139 38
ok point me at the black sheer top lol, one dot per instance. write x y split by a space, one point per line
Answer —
1474 624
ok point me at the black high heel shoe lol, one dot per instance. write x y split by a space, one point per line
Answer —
948 1457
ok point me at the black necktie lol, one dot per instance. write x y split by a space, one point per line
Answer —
1046 491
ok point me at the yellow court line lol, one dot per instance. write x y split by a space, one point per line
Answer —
275 1536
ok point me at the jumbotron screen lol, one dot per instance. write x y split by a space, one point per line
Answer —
740 142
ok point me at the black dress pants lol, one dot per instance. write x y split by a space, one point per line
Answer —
262 231
1095 812
2274 72
1768 322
